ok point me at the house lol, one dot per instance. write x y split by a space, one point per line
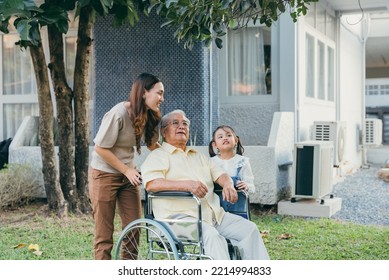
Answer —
314 68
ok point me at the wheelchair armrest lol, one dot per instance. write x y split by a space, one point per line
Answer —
172 193
220 190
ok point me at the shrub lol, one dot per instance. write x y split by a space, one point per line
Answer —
18 185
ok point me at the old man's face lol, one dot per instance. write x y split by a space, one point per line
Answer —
176 132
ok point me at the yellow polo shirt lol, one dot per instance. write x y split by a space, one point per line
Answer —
171 163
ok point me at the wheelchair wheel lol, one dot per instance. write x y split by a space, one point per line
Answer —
146 239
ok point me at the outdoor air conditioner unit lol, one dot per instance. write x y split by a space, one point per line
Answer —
312 170
373 132
334 131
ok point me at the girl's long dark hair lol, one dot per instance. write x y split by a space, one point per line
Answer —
239 147
143 120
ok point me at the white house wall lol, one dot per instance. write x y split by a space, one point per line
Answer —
351 90
348 105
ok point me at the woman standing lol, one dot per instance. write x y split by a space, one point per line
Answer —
114 178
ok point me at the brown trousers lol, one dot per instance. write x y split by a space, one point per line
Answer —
106 191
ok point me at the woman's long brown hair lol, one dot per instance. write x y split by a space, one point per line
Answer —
143 120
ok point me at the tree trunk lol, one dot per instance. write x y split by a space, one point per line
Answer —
81 108
54 194
64 98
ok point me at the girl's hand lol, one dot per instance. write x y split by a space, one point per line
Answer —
242 186
133 176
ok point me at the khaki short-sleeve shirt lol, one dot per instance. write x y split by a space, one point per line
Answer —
171 163
115 132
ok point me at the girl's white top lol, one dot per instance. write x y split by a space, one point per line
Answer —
238 166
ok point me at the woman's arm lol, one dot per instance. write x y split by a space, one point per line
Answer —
131 173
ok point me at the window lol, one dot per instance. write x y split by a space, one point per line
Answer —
385 89
320 53
372 89
18 91
245 65
320 70
13 115
322 20
18 88
319 62
18 73
70 58
310 65
330 74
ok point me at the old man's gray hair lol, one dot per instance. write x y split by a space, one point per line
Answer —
166 118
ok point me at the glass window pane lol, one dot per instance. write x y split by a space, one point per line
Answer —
13 115
385 89
321 19
320 70
18 72
246 62
330 26
330 74
310 16
310 66
70 56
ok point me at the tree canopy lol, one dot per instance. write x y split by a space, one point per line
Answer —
194 20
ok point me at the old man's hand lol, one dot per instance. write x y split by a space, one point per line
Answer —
229 193
198 189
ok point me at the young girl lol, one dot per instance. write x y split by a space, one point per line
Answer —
114 178
230 157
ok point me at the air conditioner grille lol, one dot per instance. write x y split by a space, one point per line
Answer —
323 132
373 132
331 131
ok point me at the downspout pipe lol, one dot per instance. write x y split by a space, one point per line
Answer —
365 30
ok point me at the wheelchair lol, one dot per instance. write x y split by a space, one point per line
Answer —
151 239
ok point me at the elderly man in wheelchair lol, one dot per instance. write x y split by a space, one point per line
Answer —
175 169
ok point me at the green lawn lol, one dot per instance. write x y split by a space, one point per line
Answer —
288 238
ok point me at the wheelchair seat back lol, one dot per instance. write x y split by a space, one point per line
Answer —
241 207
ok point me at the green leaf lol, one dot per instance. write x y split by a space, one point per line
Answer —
219 43
14 4
170 2
281 7
131 19
35 35
84 3
106 4
4 26
16 13
62 26
34 9
167 23
225 3
23 28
